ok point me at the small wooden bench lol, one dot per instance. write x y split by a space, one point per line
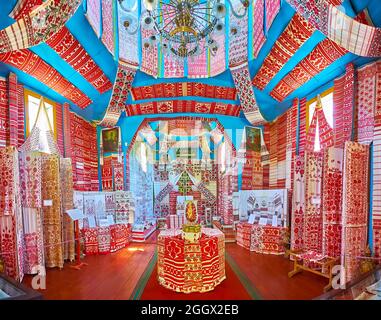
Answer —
325 264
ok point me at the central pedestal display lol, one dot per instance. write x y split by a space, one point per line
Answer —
191 259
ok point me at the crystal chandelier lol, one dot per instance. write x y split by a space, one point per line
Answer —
183 28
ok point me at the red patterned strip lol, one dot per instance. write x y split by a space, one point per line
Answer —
349 87
183 106
376 202
355 208
183 89
84 154
313 222
302 125
324 54
37 26
4 115
338 101
356 37
293 37
30 63
241 77
13 109
70 50
365 103
258 34
108 25
272 10
60 128
332 201
23 7
124 77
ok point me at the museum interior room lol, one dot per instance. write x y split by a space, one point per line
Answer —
190 150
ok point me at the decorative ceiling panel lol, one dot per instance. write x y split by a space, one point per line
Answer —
70 50
325 53
182 106
30 63
293 37
183 89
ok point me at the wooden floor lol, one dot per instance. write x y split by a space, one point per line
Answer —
114 276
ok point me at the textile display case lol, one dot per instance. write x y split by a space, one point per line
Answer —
187 266
11 289
365 287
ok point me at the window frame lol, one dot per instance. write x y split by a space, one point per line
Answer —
27 93
311 101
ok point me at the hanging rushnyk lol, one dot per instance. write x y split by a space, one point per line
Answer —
241 77
356 37
124 77
37 26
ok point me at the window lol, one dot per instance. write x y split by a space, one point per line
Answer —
32 103
327 104
143 156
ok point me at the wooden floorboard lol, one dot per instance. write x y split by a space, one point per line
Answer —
269 276
115 276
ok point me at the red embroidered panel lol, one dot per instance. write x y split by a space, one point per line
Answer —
30 63
70 50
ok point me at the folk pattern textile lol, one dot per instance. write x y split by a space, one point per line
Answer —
183 89
93 15
149 55
37 26
268 239
241 77
108 25
354 36
30 63
217 62
83 142
239 42
313 222
52 215
338 103
355 208
182 106
24 7
272 10
365 103
128 44
332 201
298 204
118 176
293 37
30 179
243 236
107 181
348 108
123 207
173 68
124 77
34 260
4 115
258 33
191 267
324 54
376 203
70 50
11 229
90 236
67 196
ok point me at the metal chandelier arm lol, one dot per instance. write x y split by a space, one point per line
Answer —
237 15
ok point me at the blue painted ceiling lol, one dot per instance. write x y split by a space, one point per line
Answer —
270 108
